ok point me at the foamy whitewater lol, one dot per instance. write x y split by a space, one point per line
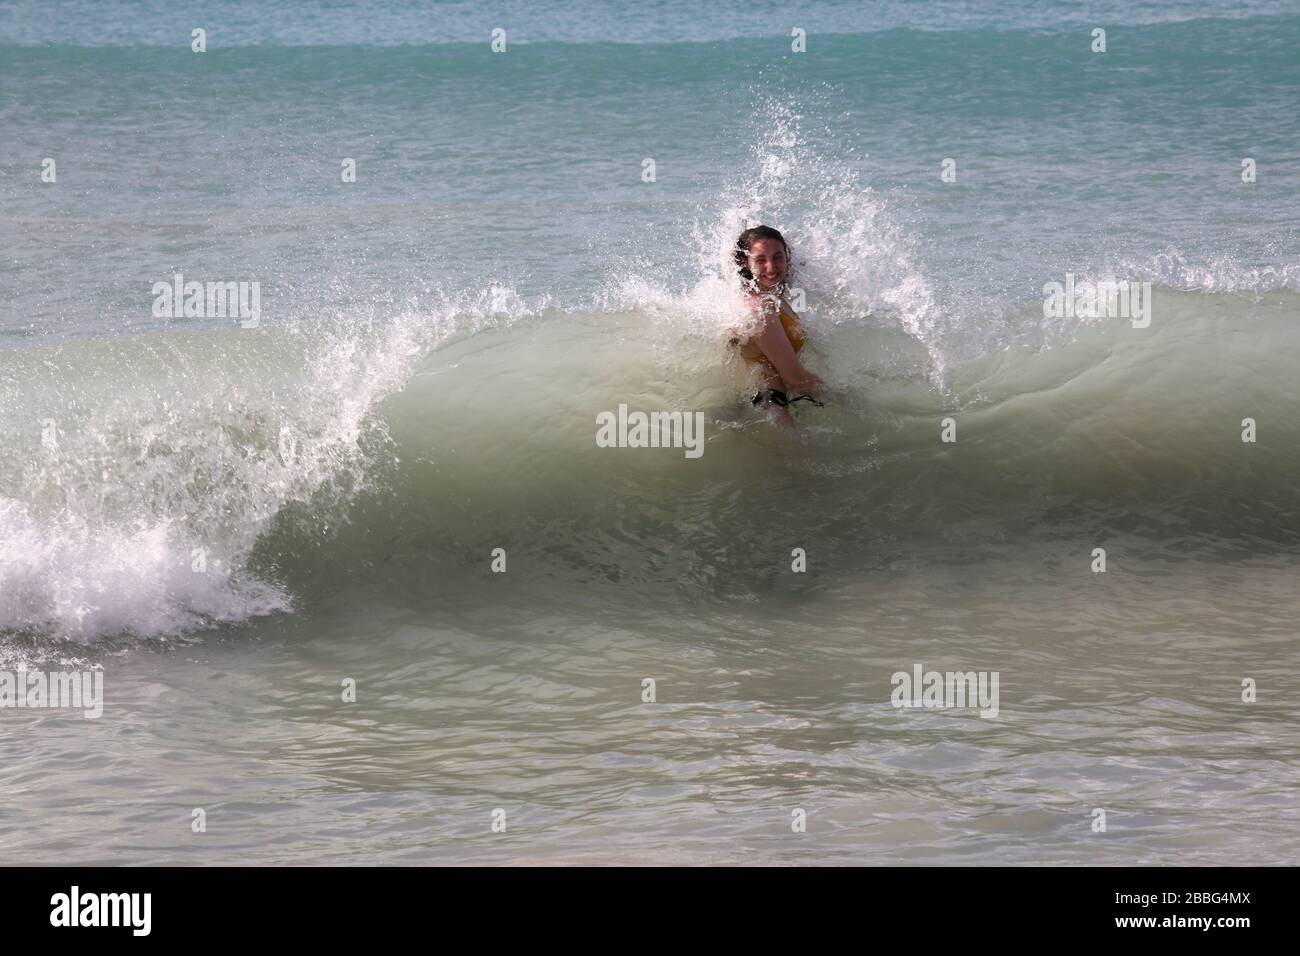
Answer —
389 479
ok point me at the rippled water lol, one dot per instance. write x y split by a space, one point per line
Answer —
762 707
242 526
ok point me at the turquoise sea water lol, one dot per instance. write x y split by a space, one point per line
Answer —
437 337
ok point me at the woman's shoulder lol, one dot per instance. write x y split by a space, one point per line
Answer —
769 303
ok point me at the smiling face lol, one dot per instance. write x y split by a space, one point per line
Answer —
767 261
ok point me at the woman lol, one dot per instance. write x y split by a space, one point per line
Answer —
773 338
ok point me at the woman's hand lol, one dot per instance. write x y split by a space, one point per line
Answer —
805 382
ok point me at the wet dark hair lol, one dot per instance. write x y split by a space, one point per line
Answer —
745 243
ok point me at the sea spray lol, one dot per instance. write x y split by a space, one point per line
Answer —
140 477
851 254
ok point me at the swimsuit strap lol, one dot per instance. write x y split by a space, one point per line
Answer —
778 397
773 395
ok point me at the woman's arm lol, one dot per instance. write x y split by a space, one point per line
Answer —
773 343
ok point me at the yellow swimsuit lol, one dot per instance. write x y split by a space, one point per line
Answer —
789 322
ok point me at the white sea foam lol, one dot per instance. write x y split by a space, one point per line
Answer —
143 474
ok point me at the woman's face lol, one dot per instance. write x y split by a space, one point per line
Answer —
767 263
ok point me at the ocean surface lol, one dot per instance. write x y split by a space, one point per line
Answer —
241 523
